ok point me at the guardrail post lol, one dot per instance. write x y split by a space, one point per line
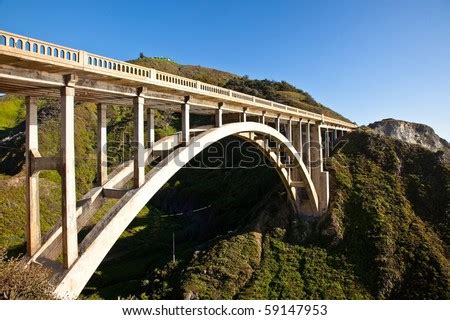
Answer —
33 227
82 56
69 215
152 74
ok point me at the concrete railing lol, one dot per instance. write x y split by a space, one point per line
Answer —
110 66
39 48
173 79
48 52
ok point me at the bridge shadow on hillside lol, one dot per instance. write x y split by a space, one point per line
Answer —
12 149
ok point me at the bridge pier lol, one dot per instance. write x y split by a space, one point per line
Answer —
244 115
102 158
326 143
289 130
218 118
138 160
150 127
185 122
308 146
33 227
335 138
296 181
277 123
69 214
319 177
300 137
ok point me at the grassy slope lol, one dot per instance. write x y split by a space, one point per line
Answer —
269 258
396 250
12 111
381 239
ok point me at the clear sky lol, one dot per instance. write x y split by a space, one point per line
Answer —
366 59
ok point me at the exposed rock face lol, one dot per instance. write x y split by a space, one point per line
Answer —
415 133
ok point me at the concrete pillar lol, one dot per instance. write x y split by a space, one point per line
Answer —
335 137
33 227
277 123
244 115
151 127
263 117
300 133
102 158
308 147
218 116
316 151
185 123
330 141
139 167
319 177
289 130
327 143
69 214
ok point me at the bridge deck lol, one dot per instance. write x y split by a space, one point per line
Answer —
37 68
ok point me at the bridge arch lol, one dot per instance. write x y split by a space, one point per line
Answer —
102 237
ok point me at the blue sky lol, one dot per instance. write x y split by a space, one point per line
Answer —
366 59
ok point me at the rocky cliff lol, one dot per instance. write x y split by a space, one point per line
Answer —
414 133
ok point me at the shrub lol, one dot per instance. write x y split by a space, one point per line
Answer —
18 281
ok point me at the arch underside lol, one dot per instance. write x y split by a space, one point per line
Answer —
105 233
